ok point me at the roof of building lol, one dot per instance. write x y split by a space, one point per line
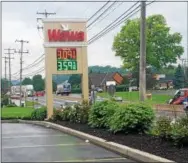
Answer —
99 79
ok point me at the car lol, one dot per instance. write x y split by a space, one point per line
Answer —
99 89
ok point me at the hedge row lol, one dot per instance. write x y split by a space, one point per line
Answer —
176 131
116 117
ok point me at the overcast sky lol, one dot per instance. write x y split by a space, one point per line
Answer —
19 22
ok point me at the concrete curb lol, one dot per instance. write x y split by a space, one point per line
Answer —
134 154
10 121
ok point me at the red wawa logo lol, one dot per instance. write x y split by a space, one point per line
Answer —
65 34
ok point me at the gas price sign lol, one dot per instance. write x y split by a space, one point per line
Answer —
66 59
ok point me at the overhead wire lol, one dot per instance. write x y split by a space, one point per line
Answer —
107 15
107 29
109 7
115 21
37 61
98 10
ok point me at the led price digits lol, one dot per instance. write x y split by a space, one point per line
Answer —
66 59
66 54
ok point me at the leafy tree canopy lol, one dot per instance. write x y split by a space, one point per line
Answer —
38 83
27 81
179 78
162 47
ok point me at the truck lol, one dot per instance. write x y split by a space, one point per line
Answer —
25 90
180 97
64 88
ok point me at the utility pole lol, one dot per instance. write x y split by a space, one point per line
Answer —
142 78
21 62
9 59
5 72
45 13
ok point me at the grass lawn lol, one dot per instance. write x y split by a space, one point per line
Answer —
134 96
16 112
31 103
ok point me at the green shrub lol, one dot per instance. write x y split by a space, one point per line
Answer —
132 118
56 115
179 134
121 88
76 90
4 100
101 112
79 113
39 114
11 105
82 112
162 127
65 115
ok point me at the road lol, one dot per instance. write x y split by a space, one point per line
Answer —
57 101
32 143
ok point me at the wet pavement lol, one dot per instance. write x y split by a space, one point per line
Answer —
32 143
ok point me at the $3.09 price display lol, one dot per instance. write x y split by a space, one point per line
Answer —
66 59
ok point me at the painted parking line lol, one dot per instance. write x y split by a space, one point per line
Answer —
52 145
31 136
94 160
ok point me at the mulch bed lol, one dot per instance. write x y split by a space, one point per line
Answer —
145 143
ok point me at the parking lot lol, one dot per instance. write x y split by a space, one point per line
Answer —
31 143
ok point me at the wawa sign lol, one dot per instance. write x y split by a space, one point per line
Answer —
65 35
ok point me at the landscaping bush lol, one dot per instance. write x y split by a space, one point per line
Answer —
101 112
162 127
11 105
132 118
57 115
65 115
4 100
121 88
179 134
79 113
39 114
76 90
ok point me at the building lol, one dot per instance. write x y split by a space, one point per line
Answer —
100 79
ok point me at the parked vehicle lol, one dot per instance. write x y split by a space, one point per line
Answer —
180 97
64 88
39 93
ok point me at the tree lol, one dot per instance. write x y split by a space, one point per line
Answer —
75 80
162 47
4 86
38 83
27 81
179 78
54 86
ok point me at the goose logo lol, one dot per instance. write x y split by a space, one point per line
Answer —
65 27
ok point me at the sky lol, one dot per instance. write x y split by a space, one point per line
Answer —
19 21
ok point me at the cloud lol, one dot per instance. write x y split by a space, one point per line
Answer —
19 22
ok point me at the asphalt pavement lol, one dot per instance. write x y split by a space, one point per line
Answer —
32 143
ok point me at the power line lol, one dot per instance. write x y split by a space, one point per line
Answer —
37 61
98 10
125 18
107 14
114 24
21 62
102 14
